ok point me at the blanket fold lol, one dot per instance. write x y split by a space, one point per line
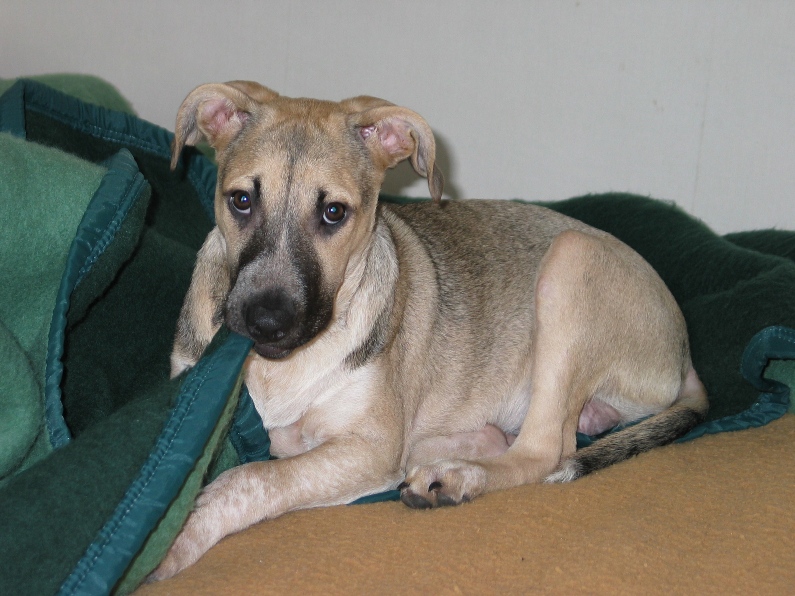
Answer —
124 444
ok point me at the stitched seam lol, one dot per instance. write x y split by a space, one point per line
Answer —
95 130
111 135
98 249
110 231
239 442
159 460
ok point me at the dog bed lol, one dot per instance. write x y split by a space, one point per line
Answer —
102 455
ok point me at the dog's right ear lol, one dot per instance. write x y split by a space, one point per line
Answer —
203 310
216 112
393 134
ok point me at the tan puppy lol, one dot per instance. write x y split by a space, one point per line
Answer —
449 348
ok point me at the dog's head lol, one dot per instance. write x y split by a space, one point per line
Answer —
295 207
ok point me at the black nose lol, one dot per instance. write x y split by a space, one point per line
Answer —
270 316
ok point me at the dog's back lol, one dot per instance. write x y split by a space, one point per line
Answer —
468 341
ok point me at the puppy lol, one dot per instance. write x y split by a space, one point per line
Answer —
447 348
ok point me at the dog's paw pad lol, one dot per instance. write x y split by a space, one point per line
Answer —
443 484
414 500
445 501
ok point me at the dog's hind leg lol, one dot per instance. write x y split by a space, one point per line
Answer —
605 326
489 441
547 435
688 410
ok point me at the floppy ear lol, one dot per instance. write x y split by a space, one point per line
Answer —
254 90
392 134
216 112
353 105
203 310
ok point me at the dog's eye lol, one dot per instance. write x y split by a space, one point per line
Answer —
334 213
240 201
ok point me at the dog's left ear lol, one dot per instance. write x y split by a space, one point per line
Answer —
392 134
217 112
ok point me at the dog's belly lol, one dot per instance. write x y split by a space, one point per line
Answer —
513 409
597 417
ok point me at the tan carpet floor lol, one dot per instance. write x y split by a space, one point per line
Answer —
712 516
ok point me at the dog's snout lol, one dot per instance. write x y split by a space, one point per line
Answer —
270 317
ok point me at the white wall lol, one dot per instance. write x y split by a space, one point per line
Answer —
688 100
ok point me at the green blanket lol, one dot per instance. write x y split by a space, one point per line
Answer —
102 455
98 254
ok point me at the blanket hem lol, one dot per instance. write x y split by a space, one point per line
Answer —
121 187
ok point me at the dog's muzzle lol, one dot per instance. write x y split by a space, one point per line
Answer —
271 320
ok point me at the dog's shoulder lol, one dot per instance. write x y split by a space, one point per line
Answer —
488 228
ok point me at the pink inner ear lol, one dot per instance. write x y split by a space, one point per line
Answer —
395 138
219 114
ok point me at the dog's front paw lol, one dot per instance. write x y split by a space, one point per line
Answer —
186 550
205 526
443 483
202 530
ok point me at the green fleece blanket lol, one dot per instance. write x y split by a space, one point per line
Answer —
97 256
101 455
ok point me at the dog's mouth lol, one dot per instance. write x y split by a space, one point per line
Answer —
272 352
276 321
278 350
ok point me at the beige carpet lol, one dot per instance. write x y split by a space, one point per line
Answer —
712 516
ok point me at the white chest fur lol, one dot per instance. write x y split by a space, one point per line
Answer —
304 409
315 393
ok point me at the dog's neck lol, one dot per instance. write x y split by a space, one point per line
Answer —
358 330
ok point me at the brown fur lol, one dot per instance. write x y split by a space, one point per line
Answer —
447 348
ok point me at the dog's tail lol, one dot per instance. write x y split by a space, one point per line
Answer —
689 410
